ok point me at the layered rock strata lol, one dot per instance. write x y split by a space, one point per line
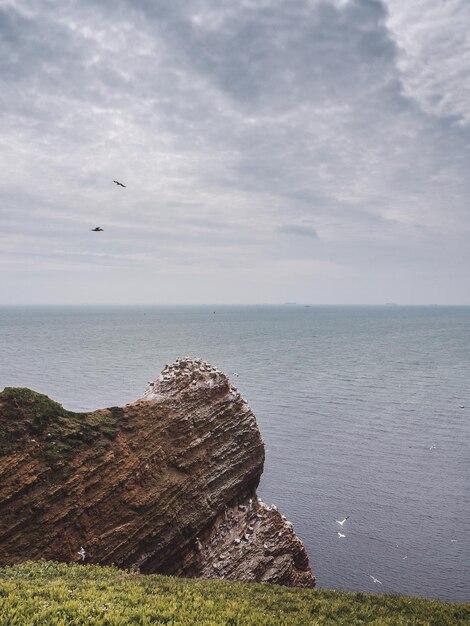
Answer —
166 484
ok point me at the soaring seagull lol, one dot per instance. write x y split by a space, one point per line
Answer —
97 230
118 183
341 523
340 535
376 580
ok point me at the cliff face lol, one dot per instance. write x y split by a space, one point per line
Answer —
166 484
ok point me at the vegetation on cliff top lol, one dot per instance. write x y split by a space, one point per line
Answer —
26 415
53 594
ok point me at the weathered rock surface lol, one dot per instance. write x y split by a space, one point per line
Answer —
166 484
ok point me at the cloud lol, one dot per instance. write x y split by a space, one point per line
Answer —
297 229
242 130
433 41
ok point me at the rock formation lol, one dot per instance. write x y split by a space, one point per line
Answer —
166 484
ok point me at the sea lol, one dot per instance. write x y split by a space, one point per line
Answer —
364 411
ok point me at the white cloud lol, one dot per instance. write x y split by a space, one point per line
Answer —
433 39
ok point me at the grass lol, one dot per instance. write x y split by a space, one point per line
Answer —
53 594
26 415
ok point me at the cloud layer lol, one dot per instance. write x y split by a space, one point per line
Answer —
276 151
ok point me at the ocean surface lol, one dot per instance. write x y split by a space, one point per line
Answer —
365 412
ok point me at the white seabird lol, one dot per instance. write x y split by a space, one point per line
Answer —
342 522
340 535
82 553
376 580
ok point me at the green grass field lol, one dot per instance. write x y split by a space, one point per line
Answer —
53 594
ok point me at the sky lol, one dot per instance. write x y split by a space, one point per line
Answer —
311 151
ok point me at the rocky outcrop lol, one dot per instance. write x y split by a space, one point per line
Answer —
166 484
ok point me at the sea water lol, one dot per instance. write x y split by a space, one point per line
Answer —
364 411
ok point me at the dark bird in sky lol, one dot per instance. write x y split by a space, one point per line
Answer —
118 183
97 230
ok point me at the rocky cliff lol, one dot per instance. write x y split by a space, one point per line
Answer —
166 484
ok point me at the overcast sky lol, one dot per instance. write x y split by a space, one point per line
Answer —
313 151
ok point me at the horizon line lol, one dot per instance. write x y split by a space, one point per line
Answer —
229 304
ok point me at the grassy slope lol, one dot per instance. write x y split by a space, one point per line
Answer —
26 414
51 594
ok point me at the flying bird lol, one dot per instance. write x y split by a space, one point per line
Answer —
97 230
376 580
341 523
118 183
340 535
82 553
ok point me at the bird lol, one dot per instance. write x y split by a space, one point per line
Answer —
405 557
376 580
433 447
118 183
340 535
341 523
82 553
97 230
236 374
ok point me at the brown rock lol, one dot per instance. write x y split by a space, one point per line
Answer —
166 484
